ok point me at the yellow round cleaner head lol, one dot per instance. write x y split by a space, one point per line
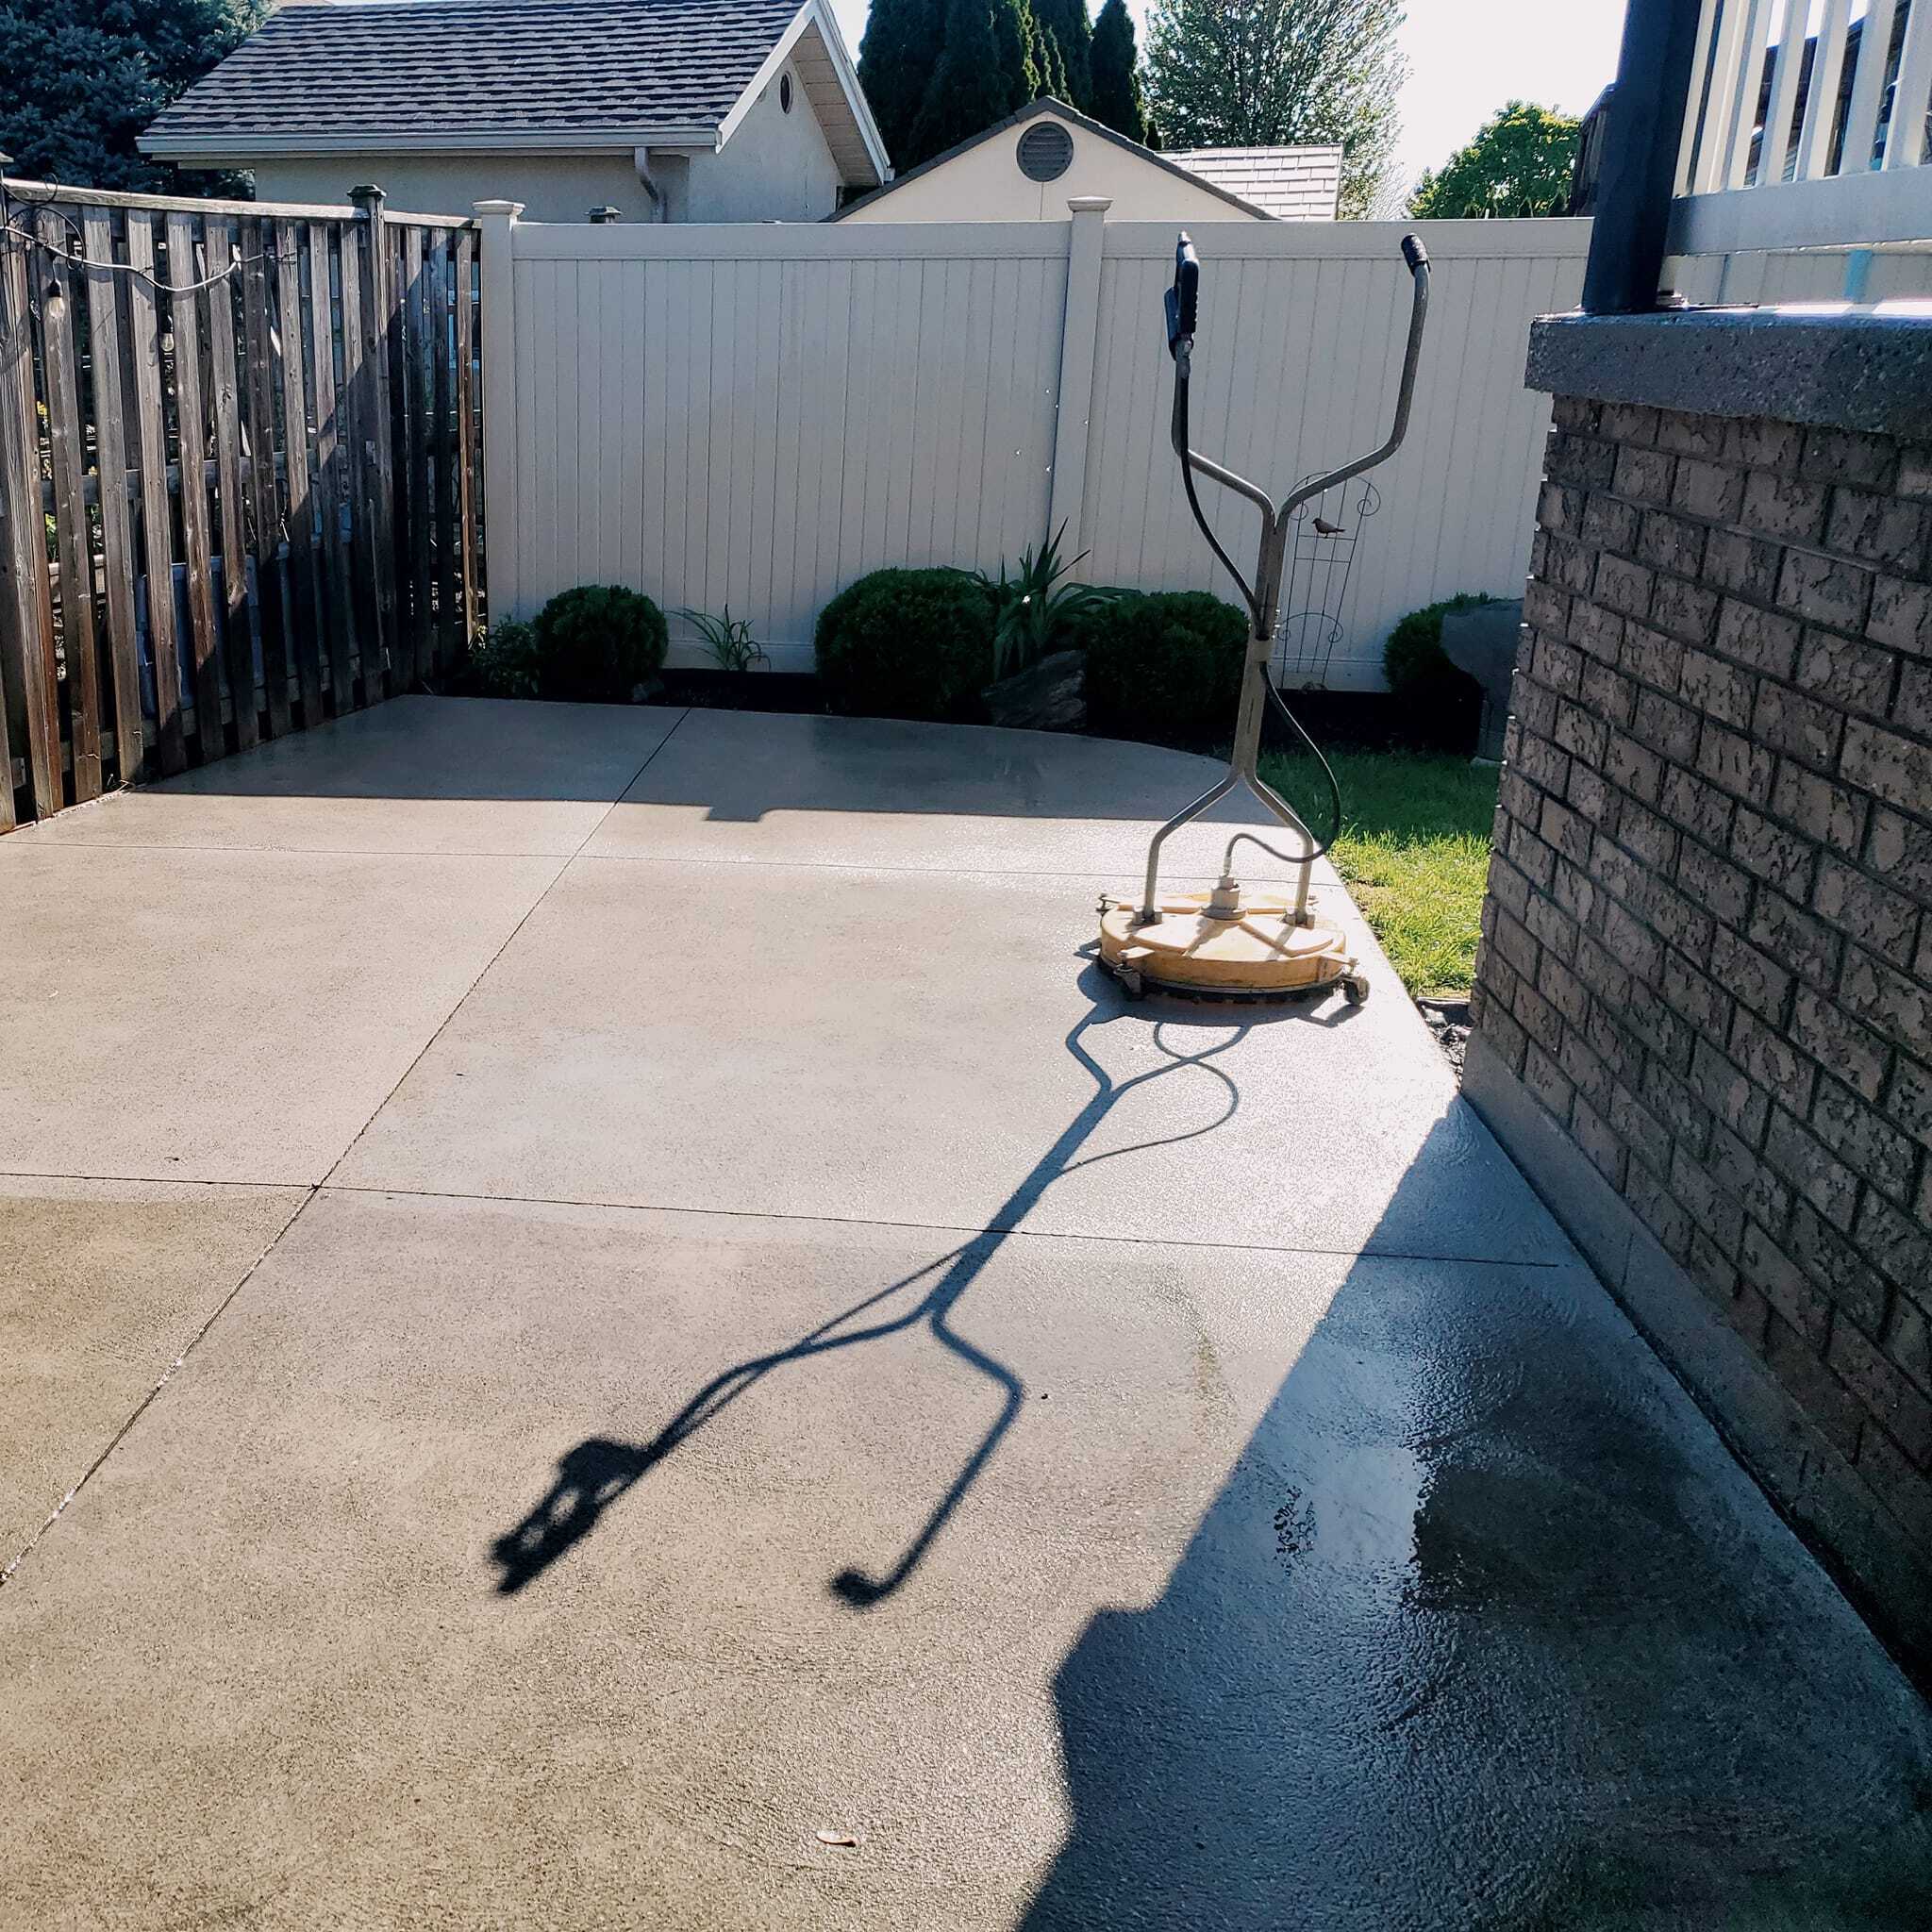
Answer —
1223 945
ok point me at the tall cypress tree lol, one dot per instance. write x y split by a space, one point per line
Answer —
969 90
1049 71
1019 75
1065 24
895 62
1117 99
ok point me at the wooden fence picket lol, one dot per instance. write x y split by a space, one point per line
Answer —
224 380
304 591
72 535
26 631
156 513
333 562
359 474
382 364
204 659
118 563
264 499
417 404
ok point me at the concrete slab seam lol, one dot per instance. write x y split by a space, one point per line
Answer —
995 1228
147 1402
284 851
990 871
530 912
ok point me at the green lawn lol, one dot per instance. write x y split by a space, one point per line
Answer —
1414 849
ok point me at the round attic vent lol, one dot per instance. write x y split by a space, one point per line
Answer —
1045 152
785 94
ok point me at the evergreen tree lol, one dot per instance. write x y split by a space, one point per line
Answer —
79 79
1116 100
1263 72
1049 71
1019 75
970 87
1065 24
896 63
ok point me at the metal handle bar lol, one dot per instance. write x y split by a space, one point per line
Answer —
1262 595
1417 257
1181 344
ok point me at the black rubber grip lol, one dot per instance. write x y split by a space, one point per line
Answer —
1186 283
1414 253
1183 298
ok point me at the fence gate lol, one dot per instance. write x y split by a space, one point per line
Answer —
240 476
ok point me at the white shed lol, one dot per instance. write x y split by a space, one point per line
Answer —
1026 166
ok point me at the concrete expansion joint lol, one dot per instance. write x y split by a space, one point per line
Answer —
1014 1228
509 939
147 1401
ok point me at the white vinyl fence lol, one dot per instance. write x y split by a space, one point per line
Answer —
756 415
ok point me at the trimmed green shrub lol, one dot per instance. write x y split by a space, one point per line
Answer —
907 643
503 665
1165 666
1436 703
597 644
1078 630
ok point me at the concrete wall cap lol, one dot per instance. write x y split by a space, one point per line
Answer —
1867 369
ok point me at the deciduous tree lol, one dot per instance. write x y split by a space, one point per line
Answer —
1519 163
1268 73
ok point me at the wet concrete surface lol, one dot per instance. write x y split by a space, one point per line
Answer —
835 1452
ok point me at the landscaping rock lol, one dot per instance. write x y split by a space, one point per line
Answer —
1482 642
1047 696
1449 1020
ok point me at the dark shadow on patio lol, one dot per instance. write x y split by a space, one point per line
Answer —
1486 1629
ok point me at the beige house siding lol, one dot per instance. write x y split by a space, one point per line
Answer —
776 167
553 188
985 184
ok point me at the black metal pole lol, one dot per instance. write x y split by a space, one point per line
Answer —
1644 126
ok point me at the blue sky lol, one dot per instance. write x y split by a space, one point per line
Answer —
1466 58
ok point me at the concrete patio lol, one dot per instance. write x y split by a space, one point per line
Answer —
693 1326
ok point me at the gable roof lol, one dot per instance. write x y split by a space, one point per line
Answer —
1293 184
1073 116
517 76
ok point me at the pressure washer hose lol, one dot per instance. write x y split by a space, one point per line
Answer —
1180 435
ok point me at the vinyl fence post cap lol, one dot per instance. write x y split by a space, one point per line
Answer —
1090 204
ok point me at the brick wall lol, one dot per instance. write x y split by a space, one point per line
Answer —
1708 953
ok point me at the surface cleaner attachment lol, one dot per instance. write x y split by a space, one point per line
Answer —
1230 943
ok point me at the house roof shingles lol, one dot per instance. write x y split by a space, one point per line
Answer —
492 67
1292 184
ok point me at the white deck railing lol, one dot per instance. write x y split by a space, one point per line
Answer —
1805 126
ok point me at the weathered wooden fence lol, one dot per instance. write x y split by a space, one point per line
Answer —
240 476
